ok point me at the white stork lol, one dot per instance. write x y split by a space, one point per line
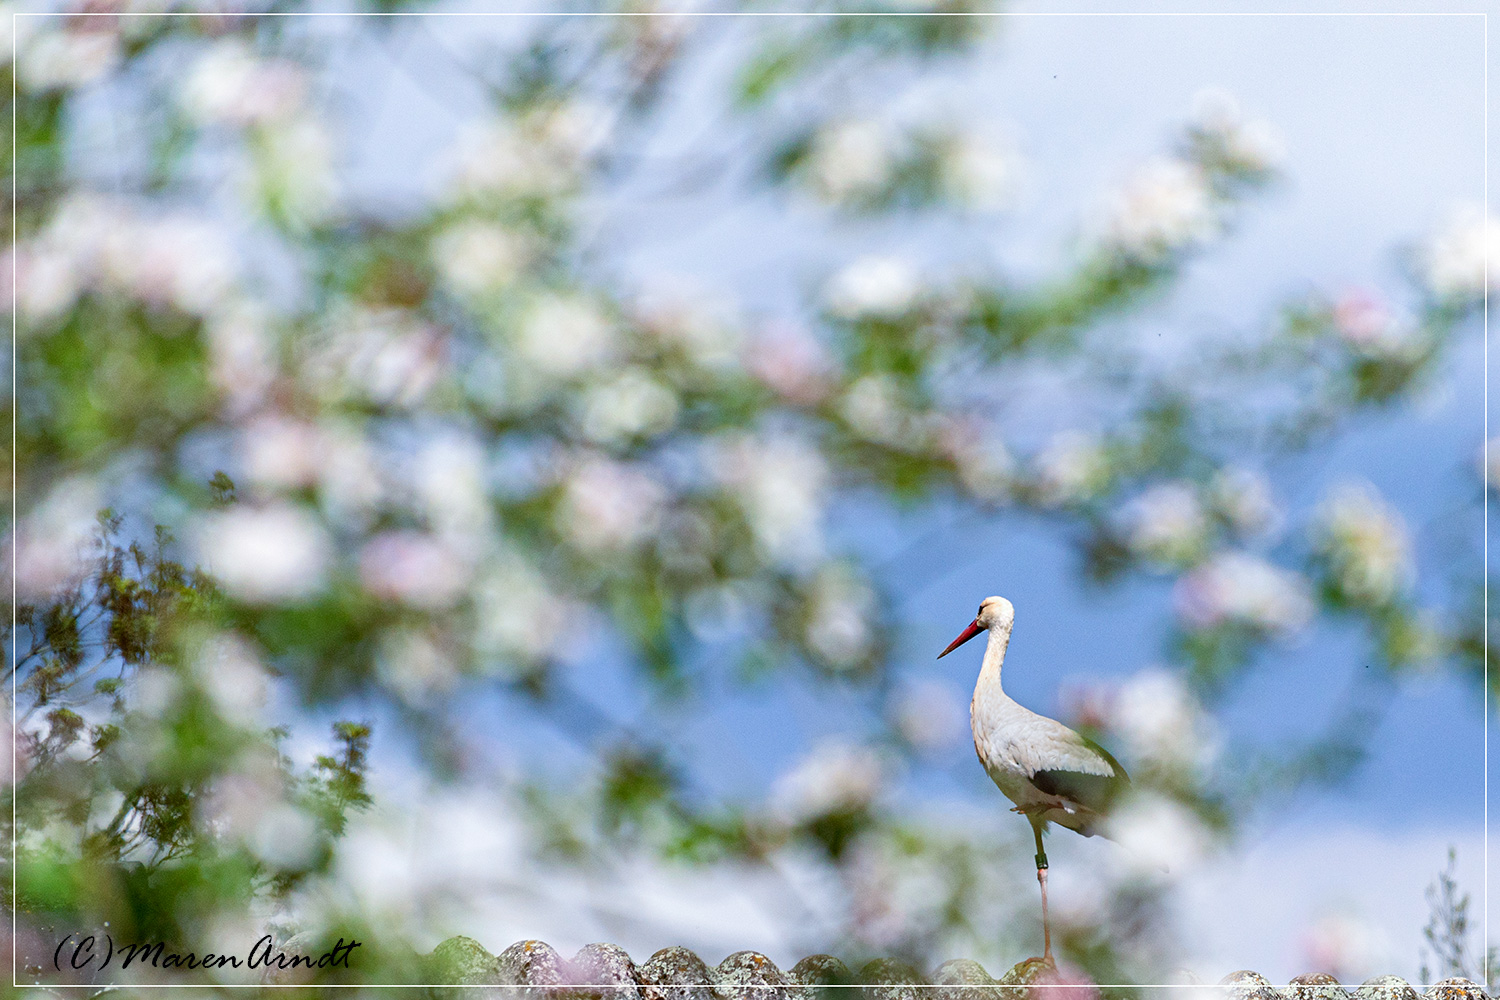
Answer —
1051 773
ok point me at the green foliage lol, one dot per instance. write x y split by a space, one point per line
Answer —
122 796
1447 934
338 782
822 41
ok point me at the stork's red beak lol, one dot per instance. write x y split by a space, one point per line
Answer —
974 629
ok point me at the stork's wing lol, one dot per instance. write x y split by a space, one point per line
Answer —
1094 784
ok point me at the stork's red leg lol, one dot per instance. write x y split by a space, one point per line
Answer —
1041 877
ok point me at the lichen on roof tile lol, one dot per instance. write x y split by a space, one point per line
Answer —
821 970
1386 988
1315 986
743 975
964 979
897 980
1456 989
675 973
1248 985
463 962
678 973
607 966
530 963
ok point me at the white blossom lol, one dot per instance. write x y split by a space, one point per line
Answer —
232 675
572 131
693 320
413 568
839 627
1165 207
475 258
414 666
1161 722
238 799
295 176
895 894
1161 836
563 337
448 476
54 58
779 483
1247 144
1167 523
1072 467
850 159
179 260
108 245
873 287
281 453
1453 260
14 763
285 837
1240 588
14 31
84 226
56 537
1365 322
224 932
387 356
230 84
240 354
273 553
984 464
349 477
879 919
47 282
1348 946
791 362
631 404
836 777
494 157
976 173
156 692
1365 542
874 410
1243 497
608 506
401 869
540 154
379 872
519 613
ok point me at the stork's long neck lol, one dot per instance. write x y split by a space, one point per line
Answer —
994 656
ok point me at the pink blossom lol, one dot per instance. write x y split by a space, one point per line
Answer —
412 568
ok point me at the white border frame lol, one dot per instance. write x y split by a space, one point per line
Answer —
15 522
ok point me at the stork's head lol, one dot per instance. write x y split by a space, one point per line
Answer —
994 613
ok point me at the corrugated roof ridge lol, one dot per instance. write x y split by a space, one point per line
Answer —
678 973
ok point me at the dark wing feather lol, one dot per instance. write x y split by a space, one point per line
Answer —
1120 775
1093 791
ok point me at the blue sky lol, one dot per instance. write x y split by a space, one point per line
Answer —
1383 122
1384 125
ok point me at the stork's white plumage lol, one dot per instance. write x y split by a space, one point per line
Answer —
1051 773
